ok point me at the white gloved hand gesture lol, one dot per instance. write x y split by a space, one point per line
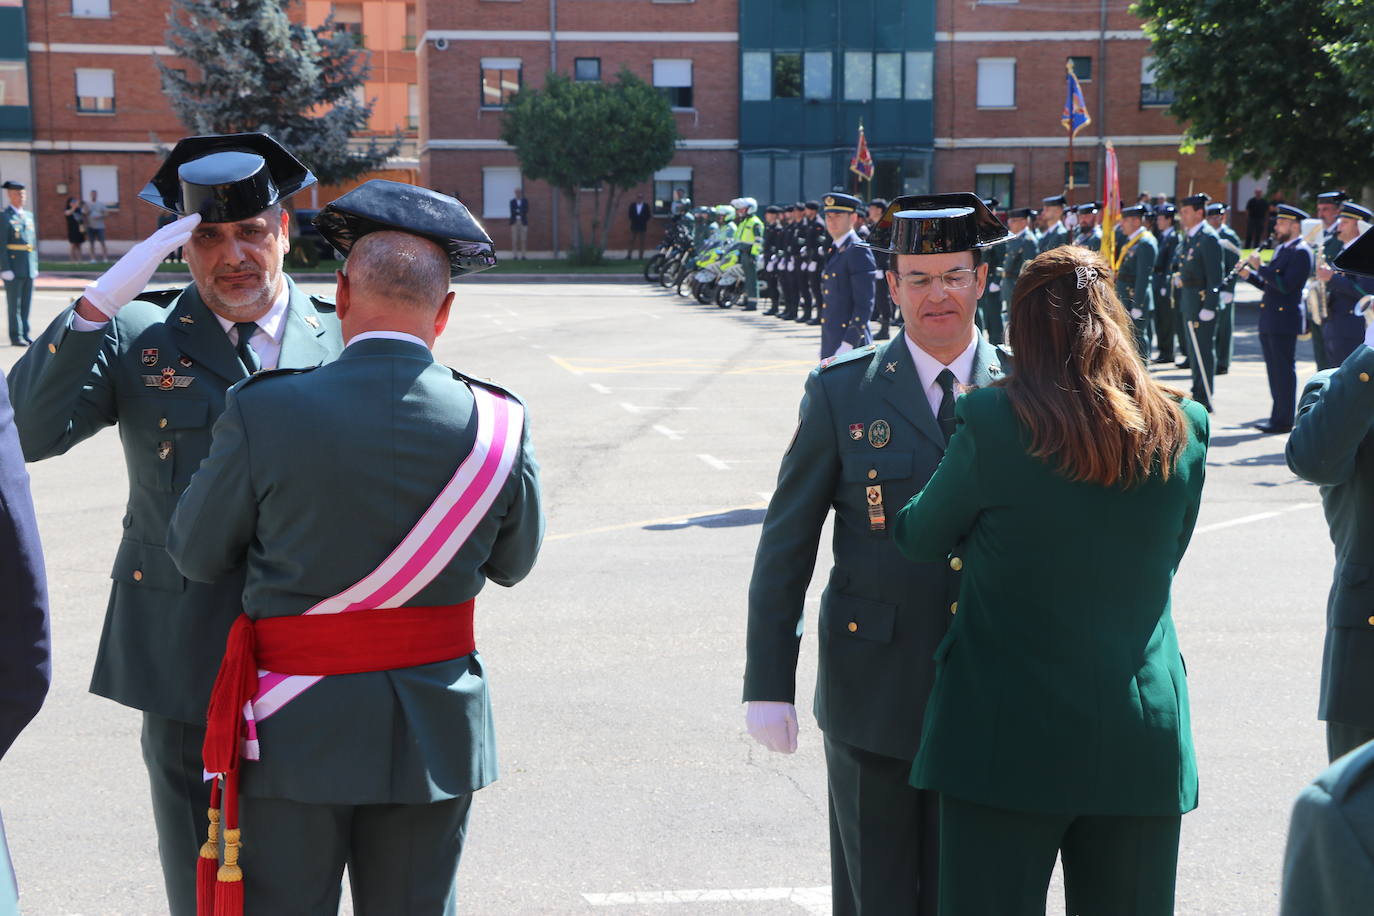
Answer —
1228 298
994 287
1206 315
6 275
772 724
844 347
1137 314
118 286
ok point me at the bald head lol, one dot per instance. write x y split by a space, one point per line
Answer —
397 269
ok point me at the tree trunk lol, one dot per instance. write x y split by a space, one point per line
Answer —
575 211
612 199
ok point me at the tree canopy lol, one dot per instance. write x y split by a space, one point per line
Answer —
256 70
580 134
1272 86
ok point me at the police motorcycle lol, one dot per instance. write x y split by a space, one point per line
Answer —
730 284
717 258
680 271
677 237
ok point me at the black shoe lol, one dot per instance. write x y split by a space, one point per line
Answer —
1271 429
772 311
1183 365
1161 359
788 316
815 321
804 318
1223 370
18 343
882 334
749 307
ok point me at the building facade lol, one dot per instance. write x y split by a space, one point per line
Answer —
475 54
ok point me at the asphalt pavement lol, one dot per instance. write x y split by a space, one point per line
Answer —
628 785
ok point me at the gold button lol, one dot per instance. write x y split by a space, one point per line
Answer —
52 348
1364 376
138 575
853 627
1371 621
162 424
956 564
954 608
872 473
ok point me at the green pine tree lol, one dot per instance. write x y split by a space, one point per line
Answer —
253 69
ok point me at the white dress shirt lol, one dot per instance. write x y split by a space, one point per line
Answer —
928 369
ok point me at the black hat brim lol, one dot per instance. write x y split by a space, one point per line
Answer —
937 224
194 178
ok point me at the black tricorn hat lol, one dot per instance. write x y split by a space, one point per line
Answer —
1358 257
1140 210
380 205
226 177
937 224
12 186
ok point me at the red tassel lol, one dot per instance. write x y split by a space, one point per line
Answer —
207 864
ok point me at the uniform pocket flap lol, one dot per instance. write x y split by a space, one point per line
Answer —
183 413
146 566
862 618
876 465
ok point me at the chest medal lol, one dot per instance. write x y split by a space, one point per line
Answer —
879 433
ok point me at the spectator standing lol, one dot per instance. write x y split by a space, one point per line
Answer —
95 225
75 213
519 225
1256 219
639 224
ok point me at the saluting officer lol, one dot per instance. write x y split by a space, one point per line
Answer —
1230 255
1344 328
1135 273
990 303
158 364
1089 233
1022 247
1281 315
846 279
874 425
18 261
1199 275
882 300
1052 213
1167 325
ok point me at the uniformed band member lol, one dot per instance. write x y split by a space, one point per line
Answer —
158 364
882 299
376 770
1217 213
1333 445
873 426
846 278
1281 312
1167 325
18 261
1328 211
1052 214
990 303
1019 250
1344 327
1135 273
1198 288
1089 233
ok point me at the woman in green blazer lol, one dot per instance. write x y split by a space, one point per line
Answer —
1059 724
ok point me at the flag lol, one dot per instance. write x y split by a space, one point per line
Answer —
1111 206
862 163
1075 116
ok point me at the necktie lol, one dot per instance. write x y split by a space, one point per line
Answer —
247 355
946 414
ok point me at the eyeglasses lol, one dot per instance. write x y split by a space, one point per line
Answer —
959 278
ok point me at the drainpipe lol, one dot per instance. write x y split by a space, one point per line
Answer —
1102 94
553 68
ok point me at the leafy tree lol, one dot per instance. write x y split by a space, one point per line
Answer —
576 134
1271 85
256 70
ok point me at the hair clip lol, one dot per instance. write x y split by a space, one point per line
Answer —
1086 275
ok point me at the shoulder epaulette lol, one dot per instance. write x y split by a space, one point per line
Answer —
854 355
323 304
160 297
273 373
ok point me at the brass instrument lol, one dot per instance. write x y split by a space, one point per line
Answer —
1313 231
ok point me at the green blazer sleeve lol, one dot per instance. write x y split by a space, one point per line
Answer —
522 530
947 506
786 554
1209 250
62 388
1334 417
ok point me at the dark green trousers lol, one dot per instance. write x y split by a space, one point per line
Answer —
1226 337
1144 331
884 836
1341 739
18 297
181 797
996 861
1319 347
402 859
1201 336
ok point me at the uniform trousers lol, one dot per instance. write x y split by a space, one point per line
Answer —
519 235
813 278
19 296
1226 337
1200 346
1144 331
751 278
884 835
1318 332
999 861
172 754
1342 334
1279 352
882 303
791 292
1164 318
402 859
1341 738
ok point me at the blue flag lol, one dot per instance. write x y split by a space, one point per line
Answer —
1075 116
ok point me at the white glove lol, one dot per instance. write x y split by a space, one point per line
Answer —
877 274
791 263
1228 298
6 275
1369 336
994 287
1206 315
773 264
772 724
118 286
844 347
811 267
1137 314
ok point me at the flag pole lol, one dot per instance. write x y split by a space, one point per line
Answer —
1068 194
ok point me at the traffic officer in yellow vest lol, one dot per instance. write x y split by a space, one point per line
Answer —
18 261
749 238
158 365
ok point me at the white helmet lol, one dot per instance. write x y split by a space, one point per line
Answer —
738 203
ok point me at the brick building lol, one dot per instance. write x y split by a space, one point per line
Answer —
999 94
476 53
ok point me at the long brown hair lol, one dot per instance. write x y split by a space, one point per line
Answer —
1079 383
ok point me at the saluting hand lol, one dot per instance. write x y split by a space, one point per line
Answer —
128 276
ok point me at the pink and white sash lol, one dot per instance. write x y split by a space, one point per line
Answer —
425 551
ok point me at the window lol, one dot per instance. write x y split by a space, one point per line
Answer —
587 69
95 90
348 17
673 78
413 107
90 9
887 72
787 76
817 174
858 76
104 180
997 82
920 70
409 39
756 76
1082 68
498 189
14 83
500 80
817 75
995 180
666 182
1082 175
1158 178
1150 94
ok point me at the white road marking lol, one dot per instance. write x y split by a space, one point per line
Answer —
714 462
674 434
600 389
1257 517
640 408
809 899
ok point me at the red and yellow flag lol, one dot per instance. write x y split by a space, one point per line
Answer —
1111 206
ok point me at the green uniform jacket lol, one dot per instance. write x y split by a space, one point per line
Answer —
1328 868
1199 264
1053 237
1091 241
16 229
1229 258
1332 445
163 636
1020 249
880 616
1060 687
388 427
1135 275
